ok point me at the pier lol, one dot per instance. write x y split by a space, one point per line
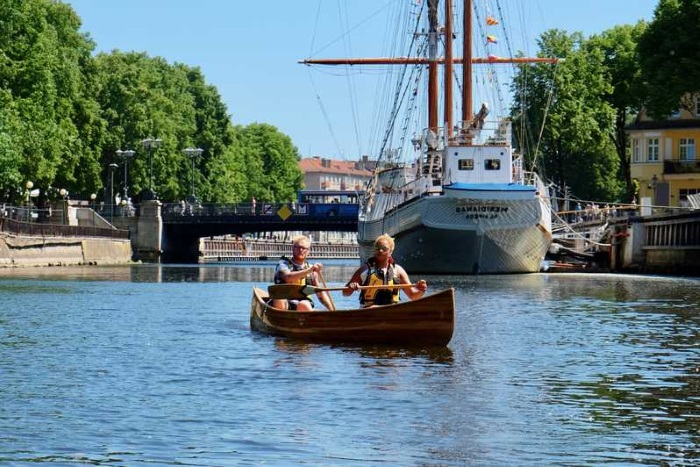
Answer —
241 249
667 242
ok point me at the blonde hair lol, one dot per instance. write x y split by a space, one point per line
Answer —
386 238
301 238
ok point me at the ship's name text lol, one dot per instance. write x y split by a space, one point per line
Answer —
481 212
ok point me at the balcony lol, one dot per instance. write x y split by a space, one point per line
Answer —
681 167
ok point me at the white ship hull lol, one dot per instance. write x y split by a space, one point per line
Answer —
452 234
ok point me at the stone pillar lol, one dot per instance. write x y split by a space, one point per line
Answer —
149 232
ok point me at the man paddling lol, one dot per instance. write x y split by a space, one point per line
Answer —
381 270
298 271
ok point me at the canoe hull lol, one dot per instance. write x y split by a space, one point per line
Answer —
427 321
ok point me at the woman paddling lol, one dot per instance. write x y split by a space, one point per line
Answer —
381 270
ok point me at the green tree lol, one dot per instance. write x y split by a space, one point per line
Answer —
566 105
670 56
220 174
65 113
52 120
621 66
271 163
144 97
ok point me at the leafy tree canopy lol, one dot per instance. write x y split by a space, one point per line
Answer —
566 105
670 56
65 113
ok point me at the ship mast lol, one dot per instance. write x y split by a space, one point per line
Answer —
448 69
433 65
467 111
433 61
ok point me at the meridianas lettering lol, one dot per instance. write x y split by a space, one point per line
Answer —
469 209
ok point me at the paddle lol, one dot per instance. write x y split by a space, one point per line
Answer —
300 292
323 283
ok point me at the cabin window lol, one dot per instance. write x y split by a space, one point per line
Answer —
466 164
687 149
653 149
492 164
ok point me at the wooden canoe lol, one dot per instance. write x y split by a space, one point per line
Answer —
426 321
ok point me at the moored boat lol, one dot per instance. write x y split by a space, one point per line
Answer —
458 199
428 321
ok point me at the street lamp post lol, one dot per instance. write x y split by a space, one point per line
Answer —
93 197
29 186
192 153
148 145
64 196
112 166
126 154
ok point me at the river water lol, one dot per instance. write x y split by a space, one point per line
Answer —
156 365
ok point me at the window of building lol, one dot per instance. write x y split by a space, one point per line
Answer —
653 149
636 153
466 164
687 149
675 113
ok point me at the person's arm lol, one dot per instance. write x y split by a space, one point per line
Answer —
417 291
354 282
293 276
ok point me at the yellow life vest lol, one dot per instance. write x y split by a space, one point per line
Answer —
376 276
292 267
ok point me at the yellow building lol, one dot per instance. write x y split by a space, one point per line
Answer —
664 157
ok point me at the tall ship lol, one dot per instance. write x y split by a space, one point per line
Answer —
460 200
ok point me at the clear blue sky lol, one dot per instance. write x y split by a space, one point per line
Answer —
250 50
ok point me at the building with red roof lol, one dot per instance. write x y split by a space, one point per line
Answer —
329 174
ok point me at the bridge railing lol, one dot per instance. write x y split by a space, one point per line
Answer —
171 211
55 230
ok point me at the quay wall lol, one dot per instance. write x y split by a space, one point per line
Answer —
661 244
65 235
30 251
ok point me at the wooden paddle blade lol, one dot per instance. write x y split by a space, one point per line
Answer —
289 291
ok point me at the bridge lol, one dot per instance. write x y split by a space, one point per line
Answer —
184 225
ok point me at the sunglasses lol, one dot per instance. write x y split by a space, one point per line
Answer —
381 248
302 248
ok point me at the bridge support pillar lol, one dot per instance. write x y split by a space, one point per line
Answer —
148 246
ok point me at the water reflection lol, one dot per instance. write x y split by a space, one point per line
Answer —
335 271
381 354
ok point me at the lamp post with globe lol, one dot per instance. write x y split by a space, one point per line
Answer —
29 186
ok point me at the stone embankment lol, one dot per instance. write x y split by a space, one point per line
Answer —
65 236
26 251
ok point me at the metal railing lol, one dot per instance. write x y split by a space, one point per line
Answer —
37 222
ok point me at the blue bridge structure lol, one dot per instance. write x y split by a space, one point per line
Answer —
184 224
